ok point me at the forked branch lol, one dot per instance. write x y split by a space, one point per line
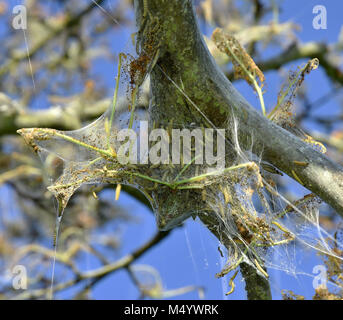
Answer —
189 87
185 59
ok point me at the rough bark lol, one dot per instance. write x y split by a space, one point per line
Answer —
257 288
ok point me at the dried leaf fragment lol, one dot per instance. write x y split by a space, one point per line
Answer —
243 64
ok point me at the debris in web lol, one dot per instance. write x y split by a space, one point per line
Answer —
244 66
284 113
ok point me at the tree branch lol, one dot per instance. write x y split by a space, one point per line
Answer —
69 117
186 59
97 274
207 97
308 50
69 22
